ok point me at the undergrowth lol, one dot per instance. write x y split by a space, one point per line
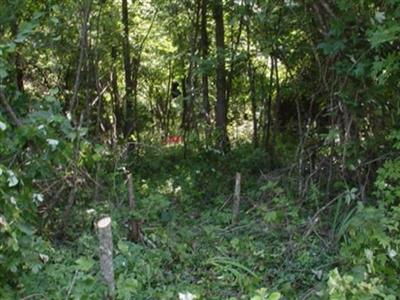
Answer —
283 247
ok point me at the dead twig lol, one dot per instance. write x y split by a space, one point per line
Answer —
314 219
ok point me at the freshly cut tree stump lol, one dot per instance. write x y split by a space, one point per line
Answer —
106 253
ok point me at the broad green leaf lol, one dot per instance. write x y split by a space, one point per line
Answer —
85 264
275 296
28 230
25 29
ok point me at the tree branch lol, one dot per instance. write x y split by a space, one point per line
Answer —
9 109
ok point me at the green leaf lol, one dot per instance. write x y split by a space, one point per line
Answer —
123 247
28 230
25 30
85 264
3 73
332 46
383 35
270 216
275 296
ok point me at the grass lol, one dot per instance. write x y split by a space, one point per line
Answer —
191 245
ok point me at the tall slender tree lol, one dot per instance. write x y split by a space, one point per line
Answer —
129 111
221 109
252 87
204 45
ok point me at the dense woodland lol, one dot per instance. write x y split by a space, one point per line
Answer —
243 149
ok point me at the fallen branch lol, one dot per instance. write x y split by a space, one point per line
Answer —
314 219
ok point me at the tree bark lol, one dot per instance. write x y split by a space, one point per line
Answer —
191 78
234 49
268 108
204 45
252 89
278 102
221 110
126 49
118 113
19 73
82 57
106 253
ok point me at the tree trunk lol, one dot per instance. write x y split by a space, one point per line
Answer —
278 103
118 113
204 44
126 49
252 90
268 108
234 49
106 254
191 77
82 58
221 110
19 73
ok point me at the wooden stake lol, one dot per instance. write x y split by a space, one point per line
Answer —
236 200
106 254
134 225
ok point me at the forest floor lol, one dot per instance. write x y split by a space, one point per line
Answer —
191 245
198 249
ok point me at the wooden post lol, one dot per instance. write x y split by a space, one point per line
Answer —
236 199
134 225
106 254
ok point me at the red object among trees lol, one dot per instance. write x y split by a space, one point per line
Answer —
173 140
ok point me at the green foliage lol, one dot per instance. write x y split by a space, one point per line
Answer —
370 249
262 294
38 153
313 84
388 182
349 287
